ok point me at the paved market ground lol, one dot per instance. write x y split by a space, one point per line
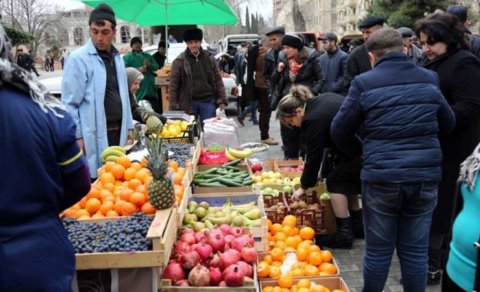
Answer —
349 261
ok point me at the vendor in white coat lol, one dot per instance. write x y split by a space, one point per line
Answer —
95 90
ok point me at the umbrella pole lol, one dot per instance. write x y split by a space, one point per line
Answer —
166 30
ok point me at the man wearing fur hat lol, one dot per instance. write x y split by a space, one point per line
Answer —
95 90
196 85
146 64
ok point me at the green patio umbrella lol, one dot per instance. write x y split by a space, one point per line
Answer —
171 12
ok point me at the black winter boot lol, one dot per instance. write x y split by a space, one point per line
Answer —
357 223
343 238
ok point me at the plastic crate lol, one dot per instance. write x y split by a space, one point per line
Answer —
187 136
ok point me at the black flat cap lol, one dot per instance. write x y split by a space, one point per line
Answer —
102 12
294 41
460 11
405 31
329 36
371 21
275 30
192 34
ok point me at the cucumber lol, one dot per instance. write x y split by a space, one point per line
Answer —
209 171
213 179
230 183
248 182
232 168
198 181
214 184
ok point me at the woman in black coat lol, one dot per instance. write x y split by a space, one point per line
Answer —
448 54
298 66
313 116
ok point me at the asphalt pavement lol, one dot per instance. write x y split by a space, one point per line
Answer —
349 261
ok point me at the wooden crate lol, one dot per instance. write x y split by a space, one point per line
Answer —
159 232
248 286
279 164
209 190
329 282
182 207
218 199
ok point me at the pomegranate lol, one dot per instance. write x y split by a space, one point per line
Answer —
204 250
182 283
239 243
190 259
215 261
226 229
215 276
237 231
199 276
200 236
216 241
222 284
233 276
228 238
229 258
246 268
188 237
248 239
181 247
249 254
186 230
173 271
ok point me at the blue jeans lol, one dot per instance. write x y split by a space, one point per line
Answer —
205 109
252 108
397 216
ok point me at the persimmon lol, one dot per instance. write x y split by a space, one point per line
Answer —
81 213
313 248
125 194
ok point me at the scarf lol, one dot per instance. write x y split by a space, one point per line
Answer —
294 68
23 80
469 169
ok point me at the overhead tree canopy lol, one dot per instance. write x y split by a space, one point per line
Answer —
405 12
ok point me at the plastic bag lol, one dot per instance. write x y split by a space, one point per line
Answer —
220 131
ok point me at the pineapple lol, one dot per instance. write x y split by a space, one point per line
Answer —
153 122
160 189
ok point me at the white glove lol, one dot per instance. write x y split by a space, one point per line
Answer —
298 193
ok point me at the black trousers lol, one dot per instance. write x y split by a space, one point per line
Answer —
113 136
448 285
264 112
291 142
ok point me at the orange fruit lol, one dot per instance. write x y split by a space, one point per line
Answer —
105 195
107 177
277 254
276 263
141 189
138 199
173 165
177 178
119 206
142 175
276 228
136 165
275 272
289 220
117 171
289 249
303 290
147 208
268 259
279 236
182 170
125 194
304 283
69 213
285 281
297 272
111 213
313 248
328 268
315 258
302 253
267 289
109 187
106 206
84 217
307 233
134 183
108 166
280 244
319 288
93 205
128 208
291 242
98 215
305 243
129 173
93 193
81 213
327 256
263 269
269 225
311 270
124 161
289 230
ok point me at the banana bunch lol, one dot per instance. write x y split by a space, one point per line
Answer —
112 153
234 154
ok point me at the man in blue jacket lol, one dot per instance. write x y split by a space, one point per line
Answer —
334 64
401 112
95 90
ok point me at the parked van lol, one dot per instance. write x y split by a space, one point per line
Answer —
230 43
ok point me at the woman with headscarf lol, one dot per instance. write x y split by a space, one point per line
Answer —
448 54
43 173
298 65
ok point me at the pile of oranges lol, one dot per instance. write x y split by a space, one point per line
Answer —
122 190
287 238
286 284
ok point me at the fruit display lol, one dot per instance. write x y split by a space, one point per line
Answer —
291 169
302 285
201 216
177 129
122 235
274 178
218 257
227 175
112 153
290 244
160 189
233 154
179 152
293 207
213 155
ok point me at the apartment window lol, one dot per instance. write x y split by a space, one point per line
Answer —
78 36
125 34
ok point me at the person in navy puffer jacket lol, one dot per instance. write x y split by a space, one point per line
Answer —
400 112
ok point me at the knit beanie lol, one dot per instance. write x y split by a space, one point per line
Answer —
102 12
293 41
135 40
192 34
132 75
